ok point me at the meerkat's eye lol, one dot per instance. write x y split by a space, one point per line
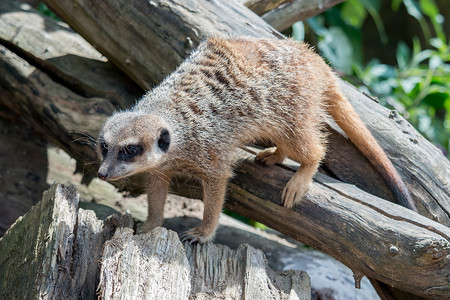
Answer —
164 140
103 148
130 151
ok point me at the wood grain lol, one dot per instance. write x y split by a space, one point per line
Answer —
371 236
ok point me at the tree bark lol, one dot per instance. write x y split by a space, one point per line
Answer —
192 271
168 30
69 253
388 240
425 171
53 251
281 14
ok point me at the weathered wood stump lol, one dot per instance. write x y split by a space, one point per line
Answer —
57 251
54 251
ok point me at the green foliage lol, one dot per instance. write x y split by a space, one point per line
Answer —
418 85
44 10
245 220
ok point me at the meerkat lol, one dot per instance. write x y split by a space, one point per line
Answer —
228 93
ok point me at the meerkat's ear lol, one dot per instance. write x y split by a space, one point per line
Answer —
164 140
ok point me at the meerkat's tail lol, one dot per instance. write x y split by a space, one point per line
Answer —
345 116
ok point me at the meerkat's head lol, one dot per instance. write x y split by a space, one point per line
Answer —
131 143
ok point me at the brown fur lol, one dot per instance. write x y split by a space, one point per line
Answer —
228 93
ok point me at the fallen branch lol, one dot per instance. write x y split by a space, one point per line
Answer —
371 236
281 14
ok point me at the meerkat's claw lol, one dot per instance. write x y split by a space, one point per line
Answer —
269 156
194 235
293 191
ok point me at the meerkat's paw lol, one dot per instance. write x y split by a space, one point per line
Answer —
195 235
269 156
294 191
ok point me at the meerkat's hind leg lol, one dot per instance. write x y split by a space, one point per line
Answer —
309 155
298 185
270 156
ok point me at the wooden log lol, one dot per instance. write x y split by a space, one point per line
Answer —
281 14
64 55
53 251
29 269
157 266
260 7
155 36
371 236
195 21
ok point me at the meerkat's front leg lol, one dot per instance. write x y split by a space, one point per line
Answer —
213 198
156 198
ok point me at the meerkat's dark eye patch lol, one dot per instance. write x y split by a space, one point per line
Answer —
164 140
103 148
130 151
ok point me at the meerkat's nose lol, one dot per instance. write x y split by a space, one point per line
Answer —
102 176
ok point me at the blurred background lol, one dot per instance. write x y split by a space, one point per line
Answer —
397 51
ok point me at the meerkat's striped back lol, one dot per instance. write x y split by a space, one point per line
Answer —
231 92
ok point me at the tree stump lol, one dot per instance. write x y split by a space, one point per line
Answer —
57 251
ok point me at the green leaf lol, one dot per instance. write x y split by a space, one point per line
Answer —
372 7
437 43
436 100
408 84
382 70
337 49
413 10
396 4
298 31
316 24
435 62
403 55
354 13
429 8
421 56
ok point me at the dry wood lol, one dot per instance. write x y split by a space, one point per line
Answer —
281 14
161 34
260 7
372 237
33 251
53 251
57 82
157 266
